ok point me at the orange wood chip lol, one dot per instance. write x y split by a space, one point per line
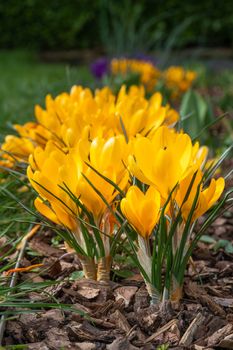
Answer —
28 236
22 269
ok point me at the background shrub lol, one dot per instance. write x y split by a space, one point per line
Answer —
62 24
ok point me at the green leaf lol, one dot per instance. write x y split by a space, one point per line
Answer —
76 275
207 239
192 102
124 130
224 243
107 180
163 347
229 248
210 172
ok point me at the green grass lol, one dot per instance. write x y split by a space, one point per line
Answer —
25 81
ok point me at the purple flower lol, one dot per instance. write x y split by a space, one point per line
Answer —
99 67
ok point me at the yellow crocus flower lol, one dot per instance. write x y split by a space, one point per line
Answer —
52 168
140 115
44 174
45 210
56 214
207 197
111 153
108 157
178 79
34 132
162 160
141 210
15 149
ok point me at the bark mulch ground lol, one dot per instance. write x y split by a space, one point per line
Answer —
118 315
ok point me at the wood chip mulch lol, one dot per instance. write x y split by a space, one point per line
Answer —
118 315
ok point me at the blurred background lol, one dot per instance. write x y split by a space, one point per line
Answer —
47 46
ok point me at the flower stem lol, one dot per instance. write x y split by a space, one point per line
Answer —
104 267
89 268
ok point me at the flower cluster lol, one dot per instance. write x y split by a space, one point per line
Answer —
163 161
79 114
176 80
148 73
170 195
104 165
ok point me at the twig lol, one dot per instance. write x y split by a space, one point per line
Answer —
130 331
161 330
12 284
190 332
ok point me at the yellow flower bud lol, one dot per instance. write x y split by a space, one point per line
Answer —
141 210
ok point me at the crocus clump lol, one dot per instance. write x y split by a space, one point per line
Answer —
108 166
75 138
